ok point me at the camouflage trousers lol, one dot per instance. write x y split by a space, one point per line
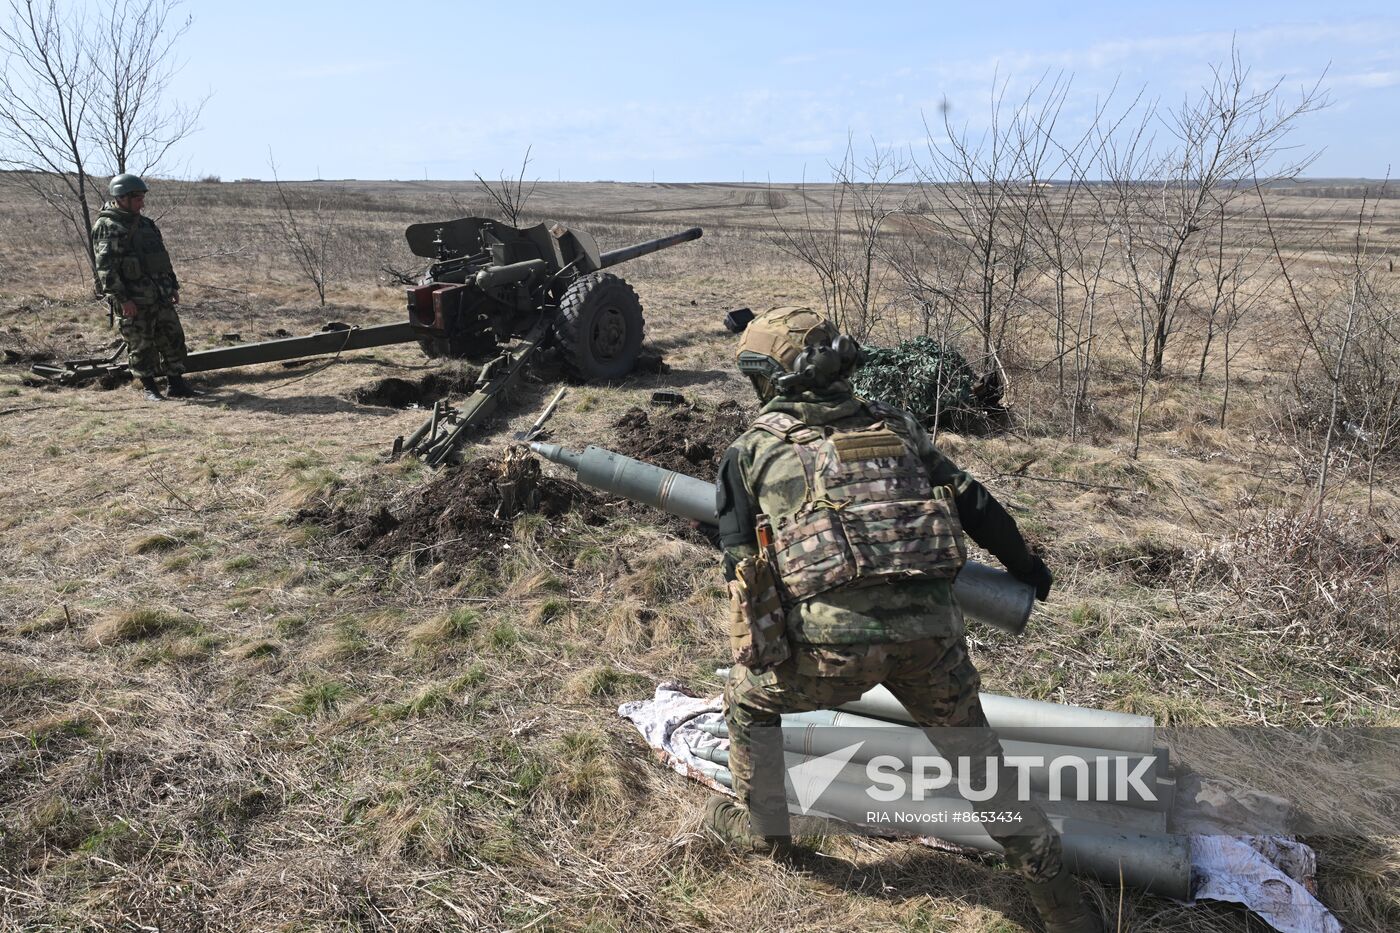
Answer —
935 680
155 341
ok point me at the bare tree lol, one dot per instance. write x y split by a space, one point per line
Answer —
307 232
1363 363
1070 231
134 122
46 91
932 272
1350 329
979 192
1234 282
508 193
1167 191
84 96
840 243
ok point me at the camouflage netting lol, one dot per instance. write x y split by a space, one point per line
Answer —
931 380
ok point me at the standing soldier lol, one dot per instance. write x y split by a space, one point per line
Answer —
814 624
135 276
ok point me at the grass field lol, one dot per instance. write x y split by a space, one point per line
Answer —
218 713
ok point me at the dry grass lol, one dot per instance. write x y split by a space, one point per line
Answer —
316 741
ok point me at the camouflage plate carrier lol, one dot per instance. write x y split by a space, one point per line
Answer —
869 514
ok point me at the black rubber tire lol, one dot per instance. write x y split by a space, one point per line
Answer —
600 327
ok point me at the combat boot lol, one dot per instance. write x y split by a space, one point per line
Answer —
729 823
152 393
179 388
1061 907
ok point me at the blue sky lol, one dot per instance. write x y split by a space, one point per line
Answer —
725 91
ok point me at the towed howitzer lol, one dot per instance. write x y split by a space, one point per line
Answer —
488 285
986 594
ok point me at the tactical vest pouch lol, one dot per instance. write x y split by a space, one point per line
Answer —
131 268
875 444
757 626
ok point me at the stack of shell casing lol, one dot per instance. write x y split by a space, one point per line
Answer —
1125 840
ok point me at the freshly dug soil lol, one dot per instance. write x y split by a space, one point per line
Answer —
690 439
464 517
394 392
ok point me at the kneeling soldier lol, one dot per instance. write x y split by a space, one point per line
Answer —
814 626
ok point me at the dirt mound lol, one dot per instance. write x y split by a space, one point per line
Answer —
689 439
394 392
17 357
464 517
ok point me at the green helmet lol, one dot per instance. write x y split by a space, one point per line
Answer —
122 185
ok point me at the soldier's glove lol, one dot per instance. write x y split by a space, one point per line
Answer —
1038 575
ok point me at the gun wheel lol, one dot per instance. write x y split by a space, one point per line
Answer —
600 327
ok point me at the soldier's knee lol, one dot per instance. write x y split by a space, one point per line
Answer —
1035 856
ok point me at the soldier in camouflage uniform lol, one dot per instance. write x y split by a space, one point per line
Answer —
885 615
135 275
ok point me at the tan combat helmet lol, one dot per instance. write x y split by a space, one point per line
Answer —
791 349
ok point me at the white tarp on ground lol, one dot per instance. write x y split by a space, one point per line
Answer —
1271 875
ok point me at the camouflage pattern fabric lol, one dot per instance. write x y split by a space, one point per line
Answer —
133 265
155 341
869 512
935 680
757 630
925 376
906 606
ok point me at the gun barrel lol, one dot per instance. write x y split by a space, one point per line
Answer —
986 594
626 253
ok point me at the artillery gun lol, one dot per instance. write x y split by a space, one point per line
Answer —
494 294
490 282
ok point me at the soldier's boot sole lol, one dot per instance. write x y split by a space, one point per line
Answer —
1062 907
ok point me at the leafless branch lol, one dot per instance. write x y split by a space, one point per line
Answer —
509 193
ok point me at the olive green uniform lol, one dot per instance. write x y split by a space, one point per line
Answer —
905 633
133 265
